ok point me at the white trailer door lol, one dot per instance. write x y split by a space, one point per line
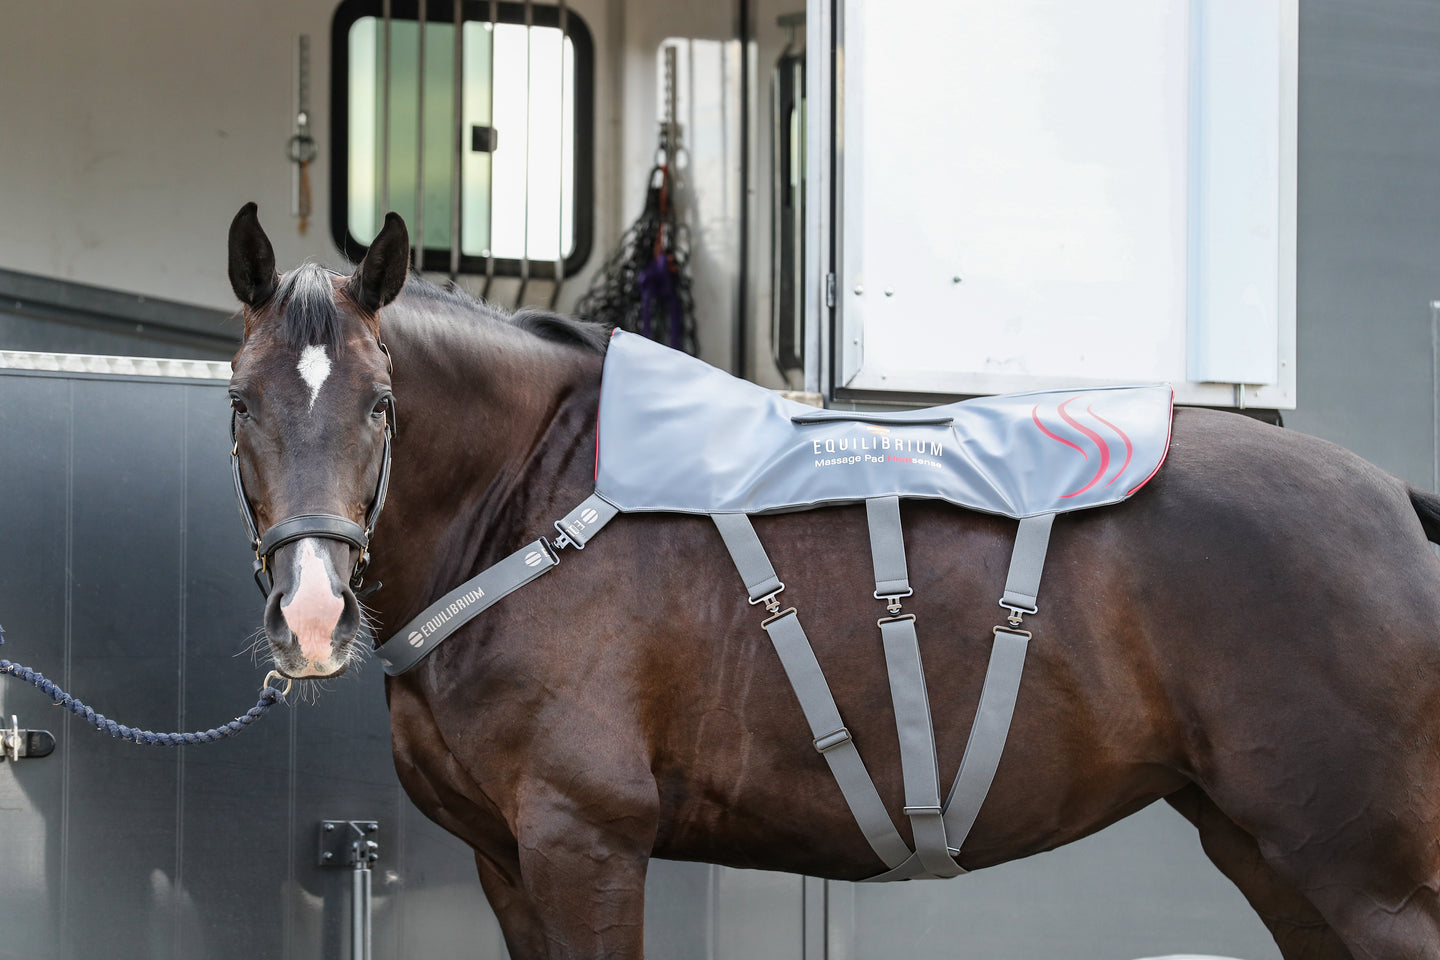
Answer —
1039 193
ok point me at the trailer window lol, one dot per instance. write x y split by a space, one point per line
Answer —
501 183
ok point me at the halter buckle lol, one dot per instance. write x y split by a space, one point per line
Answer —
260 568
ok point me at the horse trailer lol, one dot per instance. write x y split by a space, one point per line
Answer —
866 205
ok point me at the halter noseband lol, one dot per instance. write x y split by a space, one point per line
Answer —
324 525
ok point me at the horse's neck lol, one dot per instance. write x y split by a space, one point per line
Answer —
490 421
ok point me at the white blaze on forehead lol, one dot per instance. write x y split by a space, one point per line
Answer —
314 367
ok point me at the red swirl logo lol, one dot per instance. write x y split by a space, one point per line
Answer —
1091 436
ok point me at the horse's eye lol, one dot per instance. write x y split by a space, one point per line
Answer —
239 407
381 407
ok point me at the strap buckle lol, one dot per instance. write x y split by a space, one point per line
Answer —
832 740
892 603
1012 632
892 600
772 606
776 614
1017 612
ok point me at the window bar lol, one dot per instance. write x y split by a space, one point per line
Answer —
419 238
560 204
384 114
490 179
525 235
457 66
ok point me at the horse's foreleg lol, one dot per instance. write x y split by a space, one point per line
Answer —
519 921
1298 929
581 891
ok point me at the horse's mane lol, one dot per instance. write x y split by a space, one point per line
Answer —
306 301
554 327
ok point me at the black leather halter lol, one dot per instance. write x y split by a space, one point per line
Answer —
324 525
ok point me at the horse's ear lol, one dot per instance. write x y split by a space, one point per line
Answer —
381 274
252 259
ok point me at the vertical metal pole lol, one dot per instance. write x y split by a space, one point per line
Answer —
384 113
419 238
560 196
670 122
742 285
780 171
302 97
1435 394
490 180
525 243
824 108
360 925
458 68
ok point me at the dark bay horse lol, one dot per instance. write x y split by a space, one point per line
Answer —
1254 637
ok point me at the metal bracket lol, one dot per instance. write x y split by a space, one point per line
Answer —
16 743
352 844
349 843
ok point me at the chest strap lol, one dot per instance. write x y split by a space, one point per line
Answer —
939 830
409 645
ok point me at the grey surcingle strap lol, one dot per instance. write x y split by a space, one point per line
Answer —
918 762
830 737
1022 583
749 556
887 548
1002 680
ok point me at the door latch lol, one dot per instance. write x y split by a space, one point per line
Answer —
16 743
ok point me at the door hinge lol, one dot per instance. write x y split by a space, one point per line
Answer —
830 290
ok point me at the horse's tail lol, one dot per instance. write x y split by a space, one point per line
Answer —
1427 508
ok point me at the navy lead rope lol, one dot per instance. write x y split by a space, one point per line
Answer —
269 696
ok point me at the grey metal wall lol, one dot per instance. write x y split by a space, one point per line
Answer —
124 578
44 314
1369 229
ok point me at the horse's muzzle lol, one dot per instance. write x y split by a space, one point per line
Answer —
312 616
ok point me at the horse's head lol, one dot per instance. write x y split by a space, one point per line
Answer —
313 416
